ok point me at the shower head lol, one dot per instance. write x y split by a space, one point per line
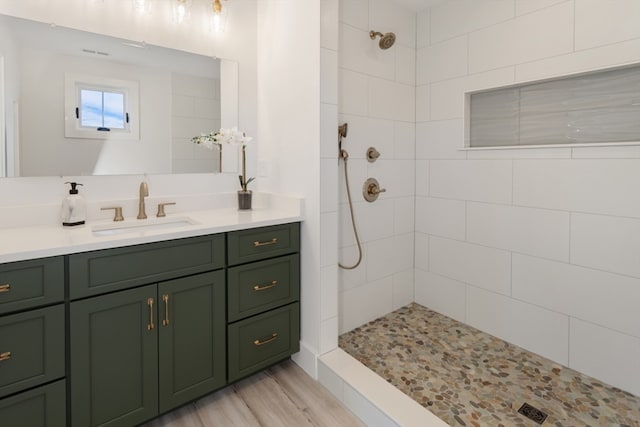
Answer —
386 40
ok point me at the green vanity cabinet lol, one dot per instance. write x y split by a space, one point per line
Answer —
115 337
144 351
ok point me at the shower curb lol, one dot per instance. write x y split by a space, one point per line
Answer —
369 396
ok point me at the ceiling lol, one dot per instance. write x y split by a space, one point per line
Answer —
418 5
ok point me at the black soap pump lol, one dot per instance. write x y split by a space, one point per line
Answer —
74 211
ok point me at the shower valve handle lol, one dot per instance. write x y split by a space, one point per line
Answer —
371 190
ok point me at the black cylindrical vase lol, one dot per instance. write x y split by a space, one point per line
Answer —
244 199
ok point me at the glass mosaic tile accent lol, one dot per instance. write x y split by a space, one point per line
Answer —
598 107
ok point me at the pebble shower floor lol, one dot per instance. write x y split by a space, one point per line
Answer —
469 378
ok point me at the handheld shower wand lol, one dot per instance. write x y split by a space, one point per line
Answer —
342 133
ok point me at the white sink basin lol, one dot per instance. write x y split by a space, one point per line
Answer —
142 225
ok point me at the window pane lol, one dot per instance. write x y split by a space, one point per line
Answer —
90 108
114 110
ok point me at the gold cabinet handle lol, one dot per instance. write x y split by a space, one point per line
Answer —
5 288
267 243
150 326
274 336
165 298
5 356
258 288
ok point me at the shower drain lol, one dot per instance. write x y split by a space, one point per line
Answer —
532 413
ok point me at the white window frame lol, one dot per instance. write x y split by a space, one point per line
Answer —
74 83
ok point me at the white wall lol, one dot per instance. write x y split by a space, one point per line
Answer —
117 19
9 53
195 108
329 315
376 99
289 134
536 246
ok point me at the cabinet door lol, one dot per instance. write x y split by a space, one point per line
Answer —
260 341
260 286
114 358
109 270
29 284
31 349
261 243
192 337
41 407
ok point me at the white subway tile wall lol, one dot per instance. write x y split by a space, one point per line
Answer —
442 294
536 329
377 98
605 354
537 246
329 213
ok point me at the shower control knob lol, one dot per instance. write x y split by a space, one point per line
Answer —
372 154
371 190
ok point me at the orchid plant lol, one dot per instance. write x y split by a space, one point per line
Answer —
232 137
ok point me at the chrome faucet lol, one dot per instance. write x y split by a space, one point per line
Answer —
144 192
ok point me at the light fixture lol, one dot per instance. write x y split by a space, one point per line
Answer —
142 6
218 16
181 10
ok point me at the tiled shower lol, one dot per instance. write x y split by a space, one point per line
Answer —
538 246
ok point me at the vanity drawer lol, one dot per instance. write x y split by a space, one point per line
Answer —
31 349
29 284
43 406
260 341
98 272
261 243
260 286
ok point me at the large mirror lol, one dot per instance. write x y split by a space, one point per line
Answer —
78 103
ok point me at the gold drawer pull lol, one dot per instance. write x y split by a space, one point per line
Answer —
150 325
270 242
165 298
5 356
258 288
274 336
5 288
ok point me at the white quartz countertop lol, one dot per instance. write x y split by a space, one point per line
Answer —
38 241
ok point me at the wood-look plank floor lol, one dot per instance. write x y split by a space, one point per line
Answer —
282 396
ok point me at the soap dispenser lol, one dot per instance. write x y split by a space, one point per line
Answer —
74 211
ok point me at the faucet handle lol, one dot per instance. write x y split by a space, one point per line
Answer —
161 206
118 212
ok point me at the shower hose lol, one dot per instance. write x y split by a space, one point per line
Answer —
345 157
